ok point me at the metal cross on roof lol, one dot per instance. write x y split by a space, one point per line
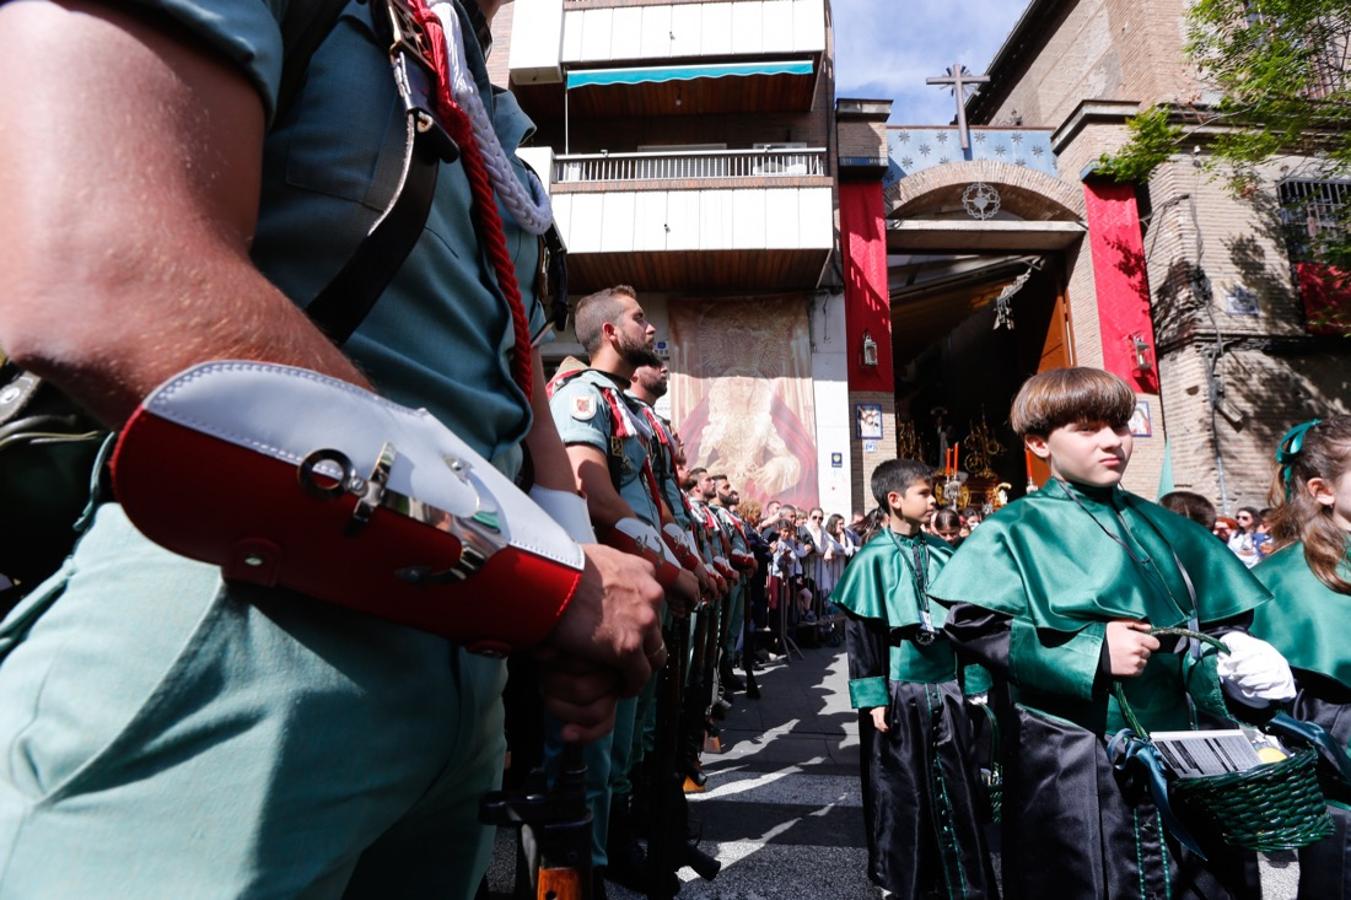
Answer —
959 78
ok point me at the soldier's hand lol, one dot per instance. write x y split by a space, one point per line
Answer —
613 619
580 694
683 594
707 587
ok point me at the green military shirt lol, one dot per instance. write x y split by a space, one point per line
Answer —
663 461
584 410
440 336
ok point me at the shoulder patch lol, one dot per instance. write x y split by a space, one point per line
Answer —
583 407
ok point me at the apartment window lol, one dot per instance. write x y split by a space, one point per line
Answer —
1316 214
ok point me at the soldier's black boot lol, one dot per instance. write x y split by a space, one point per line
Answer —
730 680
627 859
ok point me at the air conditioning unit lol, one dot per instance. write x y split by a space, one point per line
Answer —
789 164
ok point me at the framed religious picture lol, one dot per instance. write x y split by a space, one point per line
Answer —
868 421
1141 424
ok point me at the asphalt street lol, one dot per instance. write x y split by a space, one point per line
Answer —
782 809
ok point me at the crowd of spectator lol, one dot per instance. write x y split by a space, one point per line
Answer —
803 552
1247 532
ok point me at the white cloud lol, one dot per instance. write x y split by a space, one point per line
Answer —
886 48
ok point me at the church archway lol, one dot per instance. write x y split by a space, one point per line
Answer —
1025 192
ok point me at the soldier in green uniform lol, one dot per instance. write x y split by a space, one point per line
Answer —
609 442
161 213
723 505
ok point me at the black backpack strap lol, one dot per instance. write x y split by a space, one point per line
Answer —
303 29
342 305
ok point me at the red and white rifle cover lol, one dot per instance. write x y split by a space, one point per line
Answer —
209 467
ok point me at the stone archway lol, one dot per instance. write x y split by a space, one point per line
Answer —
1027 193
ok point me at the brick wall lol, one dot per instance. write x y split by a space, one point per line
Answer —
863 139
1266 389
1202 244
1100 49
1272 374
499 70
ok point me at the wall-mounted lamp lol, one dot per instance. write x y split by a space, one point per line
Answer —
1140 347
869 350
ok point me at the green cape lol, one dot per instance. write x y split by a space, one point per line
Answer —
879 582
1308 621
1043 559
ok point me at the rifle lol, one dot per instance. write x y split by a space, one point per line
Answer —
669 847
555 826
696 698
748 644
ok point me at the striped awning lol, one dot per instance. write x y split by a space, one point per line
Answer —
578 78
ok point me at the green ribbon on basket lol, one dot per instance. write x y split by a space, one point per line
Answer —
1317 737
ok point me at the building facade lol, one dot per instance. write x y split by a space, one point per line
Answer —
688 148
1240 349
831 290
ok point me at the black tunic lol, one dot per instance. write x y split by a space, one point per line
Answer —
1032 591
921 796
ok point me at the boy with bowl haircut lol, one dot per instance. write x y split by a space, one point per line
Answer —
919 776
1057 594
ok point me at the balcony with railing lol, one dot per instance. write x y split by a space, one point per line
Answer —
752 167
694 219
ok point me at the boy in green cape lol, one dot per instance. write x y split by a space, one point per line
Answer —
1057 595
919 778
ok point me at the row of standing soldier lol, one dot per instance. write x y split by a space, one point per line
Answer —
641 498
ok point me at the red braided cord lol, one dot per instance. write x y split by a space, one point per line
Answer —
485 203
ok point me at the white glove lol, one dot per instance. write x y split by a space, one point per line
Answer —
567 509
648 538
1253 672
681 538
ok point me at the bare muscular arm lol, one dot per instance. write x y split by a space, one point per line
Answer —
131 183
593 474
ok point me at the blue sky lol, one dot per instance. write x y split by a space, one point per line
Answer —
886 48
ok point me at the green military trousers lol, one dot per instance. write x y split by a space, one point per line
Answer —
165 735
734 625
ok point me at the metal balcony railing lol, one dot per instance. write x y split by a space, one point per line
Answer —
711 165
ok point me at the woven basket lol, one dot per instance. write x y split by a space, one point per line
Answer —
1274 806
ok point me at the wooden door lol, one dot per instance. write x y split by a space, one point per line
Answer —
1056 353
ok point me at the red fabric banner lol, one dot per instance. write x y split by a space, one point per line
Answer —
1326 292
1122 284
867 298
